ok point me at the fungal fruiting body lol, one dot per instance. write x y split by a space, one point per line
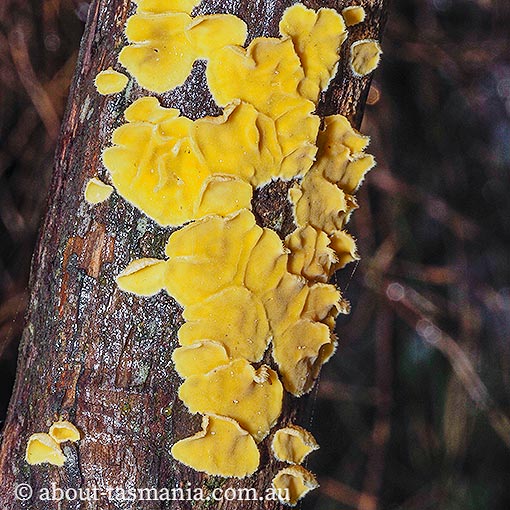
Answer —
294 482
97 191
353 15
242 289
45 448
292 444
365 56
110 82
42 448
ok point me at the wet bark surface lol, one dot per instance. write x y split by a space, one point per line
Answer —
100 357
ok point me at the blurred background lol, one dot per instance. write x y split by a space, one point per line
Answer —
412 412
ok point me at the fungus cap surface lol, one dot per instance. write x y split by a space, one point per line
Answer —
298 482
251 397
64 430
110 81
143 277
317 37
292 444
235 317
353 15
199 358
221 448
365 56
42 448
97 191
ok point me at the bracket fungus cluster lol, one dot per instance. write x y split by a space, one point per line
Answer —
243 290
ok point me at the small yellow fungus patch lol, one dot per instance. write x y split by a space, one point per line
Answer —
110 81
241 326
142 277
153 164
42 448
163 6
292 444
337 173
221 448
317 37
165 43
330 212
300 352
251 397
63 430
344 246
310 254
316 256
97 191
353 15
199 358
365 56
294 482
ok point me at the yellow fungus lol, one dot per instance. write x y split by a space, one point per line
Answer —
241 326
365 56
317 37
292 444
164 44
97 191
344 246
310 254
142 277
110 81
300 352
279 121
153 165
163 6
42 448
294 482
251 397
221 448
328 213
353 15
63 430
199 358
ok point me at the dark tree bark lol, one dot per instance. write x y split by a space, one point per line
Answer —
100 357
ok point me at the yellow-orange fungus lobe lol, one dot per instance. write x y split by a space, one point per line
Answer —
295 482
365 56
97 191
292 444
353 15
241 326
42 449
199 358
251 397
142 277
221 448
110 81
153 164
63 430
164 44
317 37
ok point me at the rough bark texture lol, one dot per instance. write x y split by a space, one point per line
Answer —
101 357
